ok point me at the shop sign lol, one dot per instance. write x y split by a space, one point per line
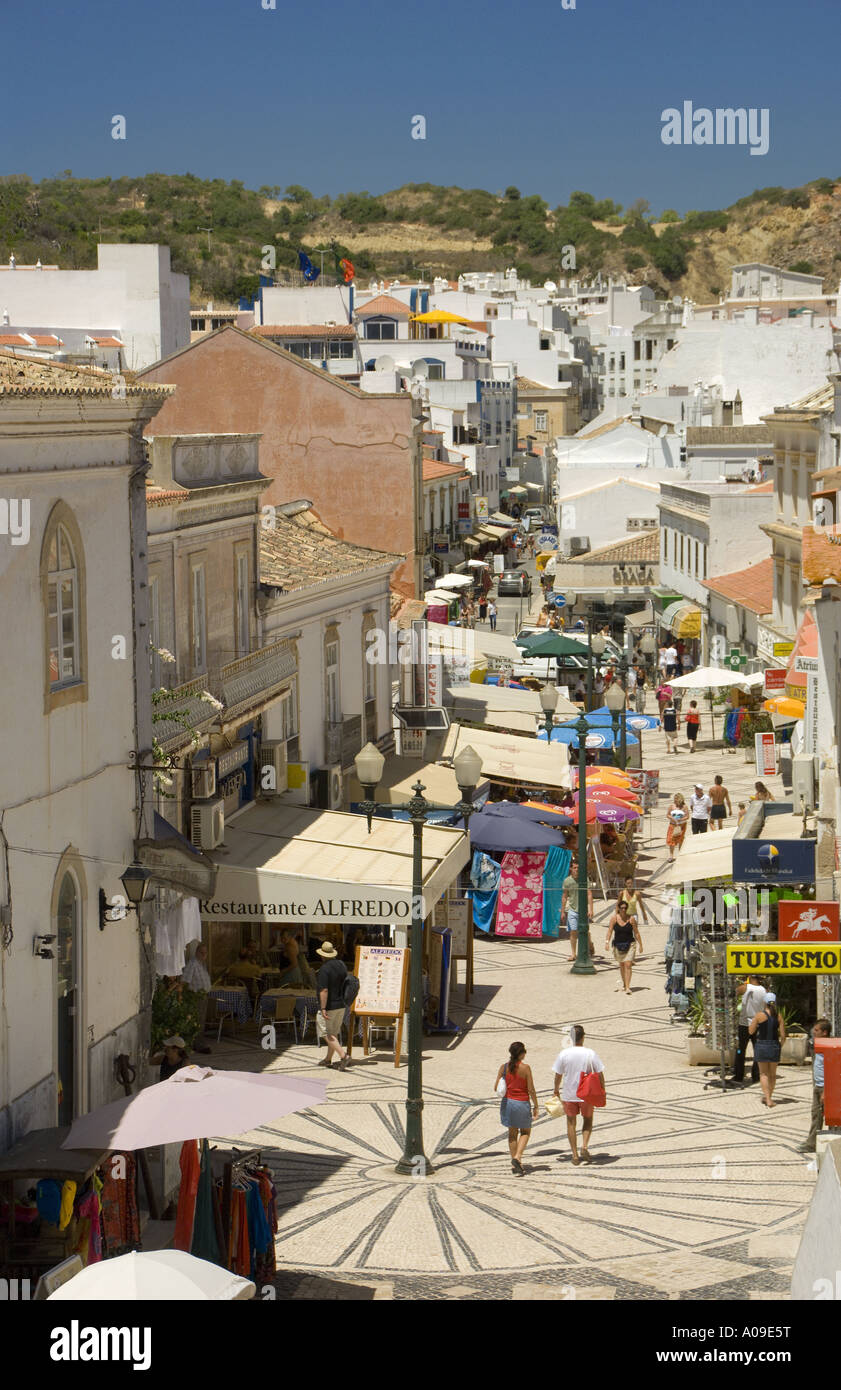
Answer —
766 754
231 759
459 924
464 510
633 574
441 545
775 680
783 958
547 540
773 861
808 666
782 648
482 509
463 526
799 920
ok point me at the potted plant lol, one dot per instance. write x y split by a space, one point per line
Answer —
795 1049
698 1050
752 724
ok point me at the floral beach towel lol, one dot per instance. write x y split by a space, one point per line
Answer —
520 906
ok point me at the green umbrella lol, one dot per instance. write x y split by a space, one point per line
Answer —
551 643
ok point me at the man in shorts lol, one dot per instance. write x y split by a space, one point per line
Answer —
568 1066
330 983
569 905
718 795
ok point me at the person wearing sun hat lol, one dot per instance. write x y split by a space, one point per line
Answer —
172 1057
330 983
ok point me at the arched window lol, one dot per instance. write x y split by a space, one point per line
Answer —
63 597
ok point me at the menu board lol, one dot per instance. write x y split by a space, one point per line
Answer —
382 972
459 924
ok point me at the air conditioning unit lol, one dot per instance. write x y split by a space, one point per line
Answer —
579 545
334 787
273 772
207 824
203 781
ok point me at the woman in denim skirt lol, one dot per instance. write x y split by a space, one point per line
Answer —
515 1112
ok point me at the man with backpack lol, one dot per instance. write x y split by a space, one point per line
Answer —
337 989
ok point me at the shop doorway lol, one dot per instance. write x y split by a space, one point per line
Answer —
67 955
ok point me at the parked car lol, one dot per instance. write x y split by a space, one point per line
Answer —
536 517
513 584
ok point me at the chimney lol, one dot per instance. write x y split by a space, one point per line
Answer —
737 407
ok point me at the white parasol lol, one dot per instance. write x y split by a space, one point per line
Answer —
154 1275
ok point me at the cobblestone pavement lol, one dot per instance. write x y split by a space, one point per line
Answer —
692 1194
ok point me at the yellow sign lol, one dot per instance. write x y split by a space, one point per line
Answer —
783 648
783 958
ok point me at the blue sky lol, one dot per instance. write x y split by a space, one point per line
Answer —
323 95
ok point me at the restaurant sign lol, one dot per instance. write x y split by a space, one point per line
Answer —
773 861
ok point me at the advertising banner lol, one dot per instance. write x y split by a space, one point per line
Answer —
783 958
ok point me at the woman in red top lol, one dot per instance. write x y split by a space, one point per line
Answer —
693 724
514 1111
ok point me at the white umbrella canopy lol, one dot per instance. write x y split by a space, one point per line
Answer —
154 1275
479 564
193 1103
706 678
455 581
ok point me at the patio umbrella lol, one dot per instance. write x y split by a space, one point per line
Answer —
192 1104
707 678
602 792
524 811
598 737
550 643
455 581
632 719
154 1275
479 564
501 833
612 814
786 706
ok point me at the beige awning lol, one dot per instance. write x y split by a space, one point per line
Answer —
497 531
697 867
501 707
475 643
507 758
440 786
295 864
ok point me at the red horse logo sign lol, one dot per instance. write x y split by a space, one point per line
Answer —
807 921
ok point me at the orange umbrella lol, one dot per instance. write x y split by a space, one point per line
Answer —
785 705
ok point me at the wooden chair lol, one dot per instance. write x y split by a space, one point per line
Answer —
279 1011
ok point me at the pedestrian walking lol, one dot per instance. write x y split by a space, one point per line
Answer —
569 1066
672 667
639 689
492 614
514 1110
741 815
761 793
821 1029
719 795
569 906
671 723
330 984
769 1033
752 994
632 897
623 931
483 607
693 724
663 696
678 818
699 810
663 663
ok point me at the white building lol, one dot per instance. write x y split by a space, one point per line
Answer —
76 684
133 298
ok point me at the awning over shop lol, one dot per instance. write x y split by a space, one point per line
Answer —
440 786
697 868
507 758
682 618
497 530
805 644
473 642
500 519
471 542
295 864
643 617
501 707
175 862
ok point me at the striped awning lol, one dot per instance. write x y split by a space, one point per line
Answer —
682 618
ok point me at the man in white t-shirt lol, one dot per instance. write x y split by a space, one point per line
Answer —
700 805
568 1066
753 996
671 660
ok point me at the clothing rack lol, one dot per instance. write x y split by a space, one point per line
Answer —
234 1167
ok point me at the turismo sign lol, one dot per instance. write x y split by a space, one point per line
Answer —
773 861
783 958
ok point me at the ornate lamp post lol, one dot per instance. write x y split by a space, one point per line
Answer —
583 964
549 703
369 765
615 699
648 647
598 642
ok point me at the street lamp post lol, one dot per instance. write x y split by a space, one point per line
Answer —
583 964
369 765
598 643
616 701
549 703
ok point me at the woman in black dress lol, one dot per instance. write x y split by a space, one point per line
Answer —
769 1033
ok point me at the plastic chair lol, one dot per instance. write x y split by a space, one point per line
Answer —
280 1011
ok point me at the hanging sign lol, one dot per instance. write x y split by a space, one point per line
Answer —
766 754
775 680
799 920
783 958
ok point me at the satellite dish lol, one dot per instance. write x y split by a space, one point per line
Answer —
551 287
662 432
420 368
384 363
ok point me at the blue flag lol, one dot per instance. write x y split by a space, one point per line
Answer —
308 269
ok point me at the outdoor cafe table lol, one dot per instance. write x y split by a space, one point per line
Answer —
232 999
306 1000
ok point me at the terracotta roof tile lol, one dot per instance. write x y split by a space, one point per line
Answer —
435 468
384 304
644 547
14 340
304 330
46 340
752 588
32 376
728 434
105 341
300 552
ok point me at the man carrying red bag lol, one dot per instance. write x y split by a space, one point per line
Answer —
582 1073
